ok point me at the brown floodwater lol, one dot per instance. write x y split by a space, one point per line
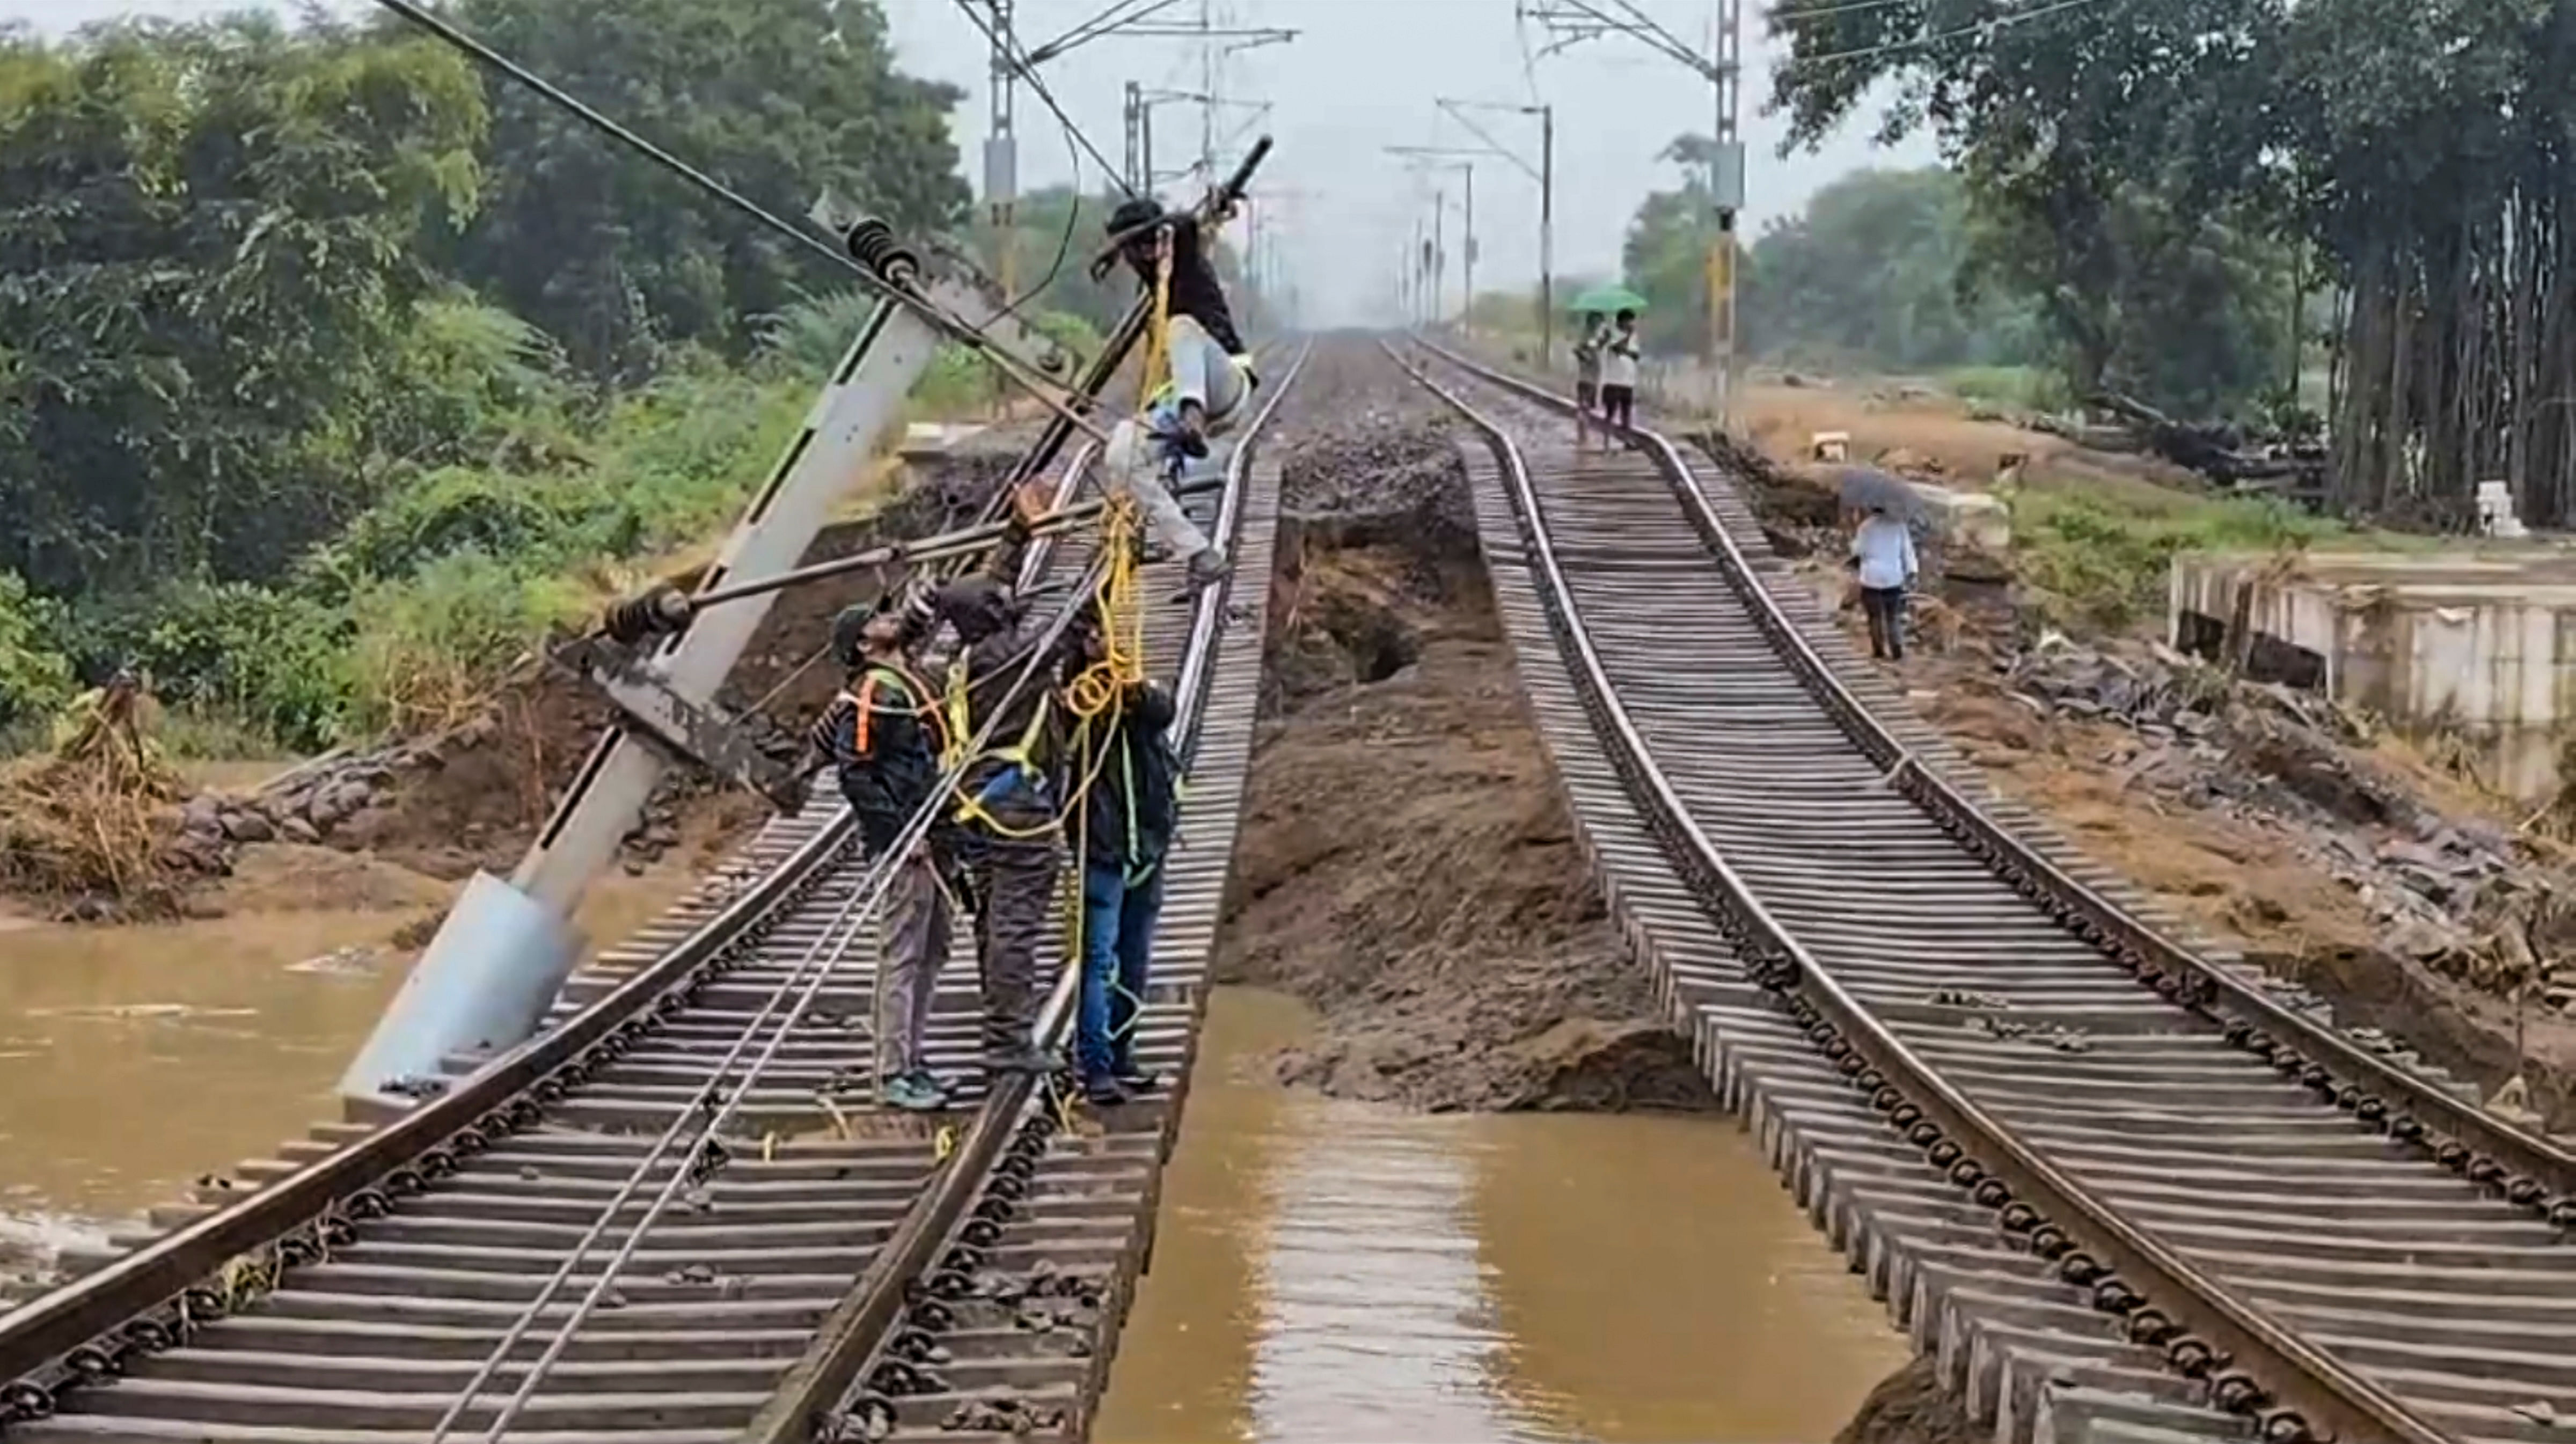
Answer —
1325 1272
134 1059
1329 1272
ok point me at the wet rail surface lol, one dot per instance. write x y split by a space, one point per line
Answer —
815 1265
2116 1187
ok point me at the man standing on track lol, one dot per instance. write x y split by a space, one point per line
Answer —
1587 375
1619 375
1129 808
882 733
1883 551
1211 380
1005 677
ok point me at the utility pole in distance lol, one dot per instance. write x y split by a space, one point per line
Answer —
1576 21
1002 149
1438 158
1545 175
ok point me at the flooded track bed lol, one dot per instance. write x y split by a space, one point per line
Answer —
1329 1270
673 1216
2113 1186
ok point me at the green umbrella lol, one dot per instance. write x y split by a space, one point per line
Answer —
1609 298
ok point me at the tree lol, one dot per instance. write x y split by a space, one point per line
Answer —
2124 175
1872 272
779 99
207 246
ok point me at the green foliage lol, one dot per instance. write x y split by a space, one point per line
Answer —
270 660
2027 389
206 252
430 646
35 679
326 367
781 99
1870 273
2100 564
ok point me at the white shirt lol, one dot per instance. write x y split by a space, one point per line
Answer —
1619 361
1885 547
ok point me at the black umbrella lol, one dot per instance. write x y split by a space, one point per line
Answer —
1866 488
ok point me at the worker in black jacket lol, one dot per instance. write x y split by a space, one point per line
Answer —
1131 777
1010 792
1211 374
883 735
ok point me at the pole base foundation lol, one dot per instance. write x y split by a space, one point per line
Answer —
483 985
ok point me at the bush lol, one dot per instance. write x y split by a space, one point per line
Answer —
430 648
2102 566
270 660
35 677
2013 388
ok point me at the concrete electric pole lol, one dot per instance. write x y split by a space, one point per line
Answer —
1439 159
1545 174
1576 21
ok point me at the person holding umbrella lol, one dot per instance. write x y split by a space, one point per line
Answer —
1882 552
1615 352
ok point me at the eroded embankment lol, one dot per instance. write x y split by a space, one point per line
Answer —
1406 864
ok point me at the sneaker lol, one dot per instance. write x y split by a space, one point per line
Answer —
1207 569
1135 1077
914 1092
1103 1091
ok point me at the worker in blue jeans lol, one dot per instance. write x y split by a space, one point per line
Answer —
1129 807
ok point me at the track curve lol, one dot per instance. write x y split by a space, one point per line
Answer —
2119 1187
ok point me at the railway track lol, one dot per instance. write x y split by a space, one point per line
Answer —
675 1217
2120 1187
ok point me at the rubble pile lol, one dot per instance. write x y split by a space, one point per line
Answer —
2463 896
1380 468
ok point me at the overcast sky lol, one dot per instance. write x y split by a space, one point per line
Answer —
1361 75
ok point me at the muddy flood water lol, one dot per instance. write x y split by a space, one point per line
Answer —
1329 1271
1324 1271
135 1059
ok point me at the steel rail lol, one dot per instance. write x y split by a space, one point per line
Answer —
822 1382
2524 1167
112 1311
720 1096
157 1295
2108 1252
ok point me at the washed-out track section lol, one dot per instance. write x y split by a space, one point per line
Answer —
2420 1255
363 1327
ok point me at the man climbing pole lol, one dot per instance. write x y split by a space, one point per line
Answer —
883 734
1129 805
1009 795
1211 373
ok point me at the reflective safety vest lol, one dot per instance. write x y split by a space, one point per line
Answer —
923 706
960 730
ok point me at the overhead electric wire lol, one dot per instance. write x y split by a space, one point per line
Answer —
1009 48
2000 22
956 327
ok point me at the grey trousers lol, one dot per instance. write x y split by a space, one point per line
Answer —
1015 901
915 932
1201 372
